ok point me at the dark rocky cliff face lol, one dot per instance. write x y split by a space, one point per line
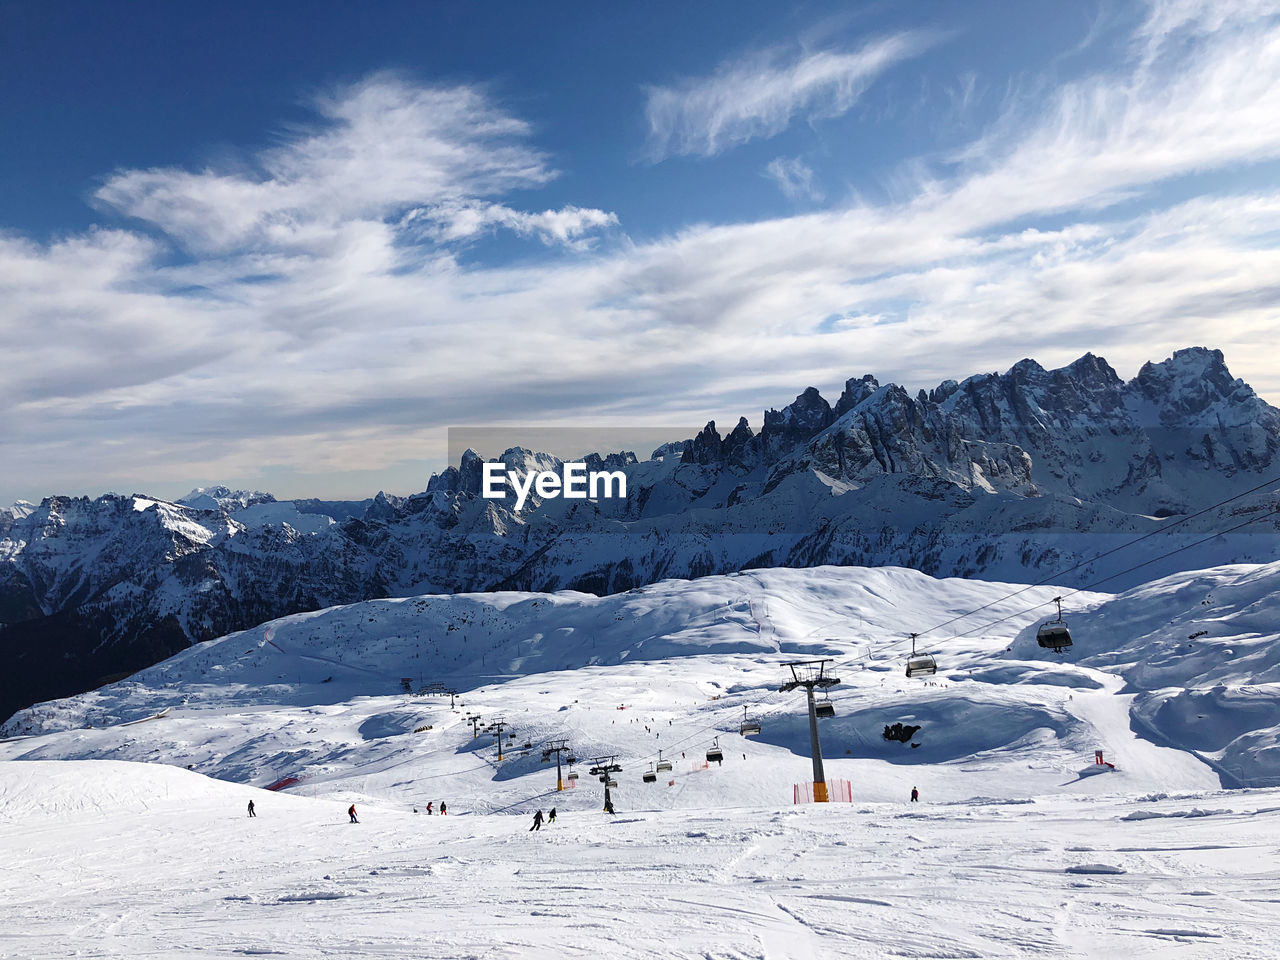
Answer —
1007 476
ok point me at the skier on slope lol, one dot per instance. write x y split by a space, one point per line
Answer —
551 817
443 809
251 813
537 822
915 795
608 806
430 803
351 812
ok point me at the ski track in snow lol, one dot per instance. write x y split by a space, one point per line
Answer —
192 876
1021 846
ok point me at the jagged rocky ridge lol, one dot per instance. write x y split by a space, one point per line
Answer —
1008 476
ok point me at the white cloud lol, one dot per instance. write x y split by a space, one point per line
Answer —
794 178
566 226
759 95
309 333
385 146
1170 19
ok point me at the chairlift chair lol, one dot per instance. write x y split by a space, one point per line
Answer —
920 665
612 784
573 775
664 766
824 707
748 728
649 776
1053 634
715 754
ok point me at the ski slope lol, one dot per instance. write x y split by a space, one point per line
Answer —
122 810
134 860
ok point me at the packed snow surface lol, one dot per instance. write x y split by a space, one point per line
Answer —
109 859
1022 844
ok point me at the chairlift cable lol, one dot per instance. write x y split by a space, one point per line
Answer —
1146 536
1106 553
1090 586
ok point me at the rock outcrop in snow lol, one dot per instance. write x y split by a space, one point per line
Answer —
1010 476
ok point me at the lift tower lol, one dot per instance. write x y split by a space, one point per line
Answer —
810 674
604 768
557 747
498 725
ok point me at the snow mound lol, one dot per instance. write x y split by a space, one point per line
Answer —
36 790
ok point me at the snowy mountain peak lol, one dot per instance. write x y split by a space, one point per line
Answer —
1010 476
856 389
1195 388
223 499
20 509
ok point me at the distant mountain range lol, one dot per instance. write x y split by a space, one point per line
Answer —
1010 476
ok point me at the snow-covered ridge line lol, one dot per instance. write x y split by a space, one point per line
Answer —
1146 669
1006 477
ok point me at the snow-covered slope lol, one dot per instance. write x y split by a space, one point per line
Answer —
1002 476
1021 845
671 666
172 867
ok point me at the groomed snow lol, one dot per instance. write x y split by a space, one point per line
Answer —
1022 846
131 860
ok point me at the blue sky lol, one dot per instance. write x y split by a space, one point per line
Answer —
288 245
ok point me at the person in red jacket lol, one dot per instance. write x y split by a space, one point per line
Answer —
351 812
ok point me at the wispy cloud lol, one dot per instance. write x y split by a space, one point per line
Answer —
383 146
322 323
794 178
760 94
461 221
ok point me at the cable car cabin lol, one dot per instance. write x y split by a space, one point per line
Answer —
715 755
824 708
921 667
664 766
1054 635
649 776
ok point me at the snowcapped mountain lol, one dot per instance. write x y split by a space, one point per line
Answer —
1009 476
1173 682
1177 681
